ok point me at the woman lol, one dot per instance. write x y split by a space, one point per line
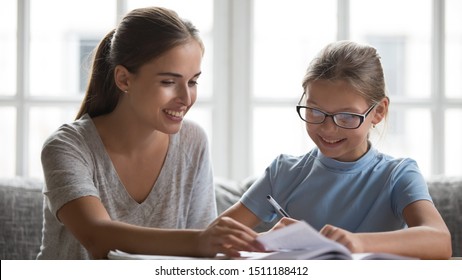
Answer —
130 173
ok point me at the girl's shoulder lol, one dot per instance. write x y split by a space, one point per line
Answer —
294 162
395 162
399 169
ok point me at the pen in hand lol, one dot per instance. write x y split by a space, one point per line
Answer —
277 206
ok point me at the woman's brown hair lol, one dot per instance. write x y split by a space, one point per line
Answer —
142 35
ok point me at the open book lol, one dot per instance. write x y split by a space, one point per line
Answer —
297 241
301 241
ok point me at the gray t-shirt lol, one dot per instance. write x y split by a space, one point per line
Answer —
76 164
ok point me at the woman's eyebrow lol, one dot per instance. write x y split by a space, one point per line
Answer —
176 75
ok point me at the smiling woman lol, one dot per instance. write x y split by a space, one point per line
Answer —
130 173
161 91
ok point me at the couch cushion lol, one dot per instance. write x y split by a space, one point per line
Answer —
447 196
21 211
20 218
227 193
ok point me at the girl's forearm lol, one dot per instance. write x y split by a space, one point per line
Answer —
422 242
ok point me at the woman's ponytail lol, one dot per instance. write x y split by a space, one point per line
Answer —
102 94
143 35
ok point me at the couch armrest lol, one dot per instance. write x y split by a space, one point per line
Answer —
446 193
21 219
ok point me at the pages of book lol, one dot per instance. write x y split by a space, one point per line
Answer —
297 241
301 241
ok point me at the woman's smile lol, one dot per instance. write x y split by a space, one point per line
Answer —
174 114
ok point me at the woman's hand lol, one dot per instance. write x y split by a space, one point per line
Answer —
348 239
228 236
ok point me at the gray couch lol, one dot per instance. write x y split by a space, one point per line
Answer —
21 205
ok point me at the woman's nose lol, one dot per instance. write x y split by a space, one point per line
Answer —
184 95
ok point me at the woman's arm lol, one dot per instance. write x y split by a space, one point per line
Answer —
426 237
89 222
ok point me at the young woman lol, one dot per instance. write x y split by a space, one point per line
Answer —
352 193
130 173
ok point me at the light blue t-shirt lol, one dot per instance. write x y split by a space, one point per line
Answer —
367 195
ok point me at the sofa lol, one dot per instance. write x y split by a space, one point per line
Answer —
21 203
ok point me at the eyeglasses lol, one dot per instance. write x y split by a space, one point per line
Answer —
341 119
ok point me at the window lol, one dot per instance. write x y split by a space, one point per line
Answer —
8 72
86 47
286 38
256 55
425 94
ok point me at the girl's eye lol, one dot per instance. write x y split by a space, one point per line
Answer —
167 82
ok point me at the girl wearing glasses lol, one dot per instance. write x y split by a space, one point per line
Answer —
345 188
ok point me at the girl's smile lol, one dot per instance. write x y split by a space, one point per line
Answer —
334 141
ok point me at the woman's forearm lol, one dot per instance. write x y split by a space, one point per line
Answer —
110 235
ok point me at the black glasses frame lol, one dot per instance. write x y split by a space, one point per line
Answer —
362 117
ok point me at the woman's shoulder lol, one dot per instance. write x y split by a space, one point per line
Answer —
191 132
190 126
75 132
191 139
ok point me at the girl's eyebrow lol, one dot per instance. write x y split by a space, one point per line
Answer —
176 75
344 110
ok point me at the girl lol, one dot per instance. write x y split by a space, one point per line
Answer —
130 173
352 193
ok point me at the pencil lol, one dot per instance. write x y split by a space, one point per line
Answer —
277 206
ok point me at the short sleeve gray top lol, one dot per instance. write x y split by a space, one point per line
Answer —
76 164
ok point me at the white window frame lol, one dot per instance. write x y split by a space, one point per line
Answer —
232 102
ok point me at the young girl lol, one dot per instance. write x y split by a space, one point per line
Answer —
124 175
352 193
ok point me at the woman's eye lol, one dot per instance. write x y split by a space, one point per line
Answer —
167 82
193 83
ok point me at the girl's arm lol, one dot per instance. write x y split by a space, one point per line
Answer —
426 237
241 214
90 223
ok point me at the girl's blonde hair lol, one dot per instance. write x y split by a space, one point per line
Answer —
355 63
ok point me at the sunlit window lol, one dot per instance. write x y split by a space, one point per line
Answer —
286 37
256 53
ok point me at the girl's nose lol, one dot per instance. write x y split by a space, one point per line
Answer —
329 124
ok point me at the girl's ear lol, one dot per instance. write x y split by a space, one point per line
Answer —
121 77
381 111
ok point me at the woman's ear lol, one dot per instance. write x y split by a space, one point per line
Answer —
381 111
121 77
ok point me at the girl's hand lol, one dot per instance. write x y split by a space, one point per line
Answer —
228 236
344 237
283 222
